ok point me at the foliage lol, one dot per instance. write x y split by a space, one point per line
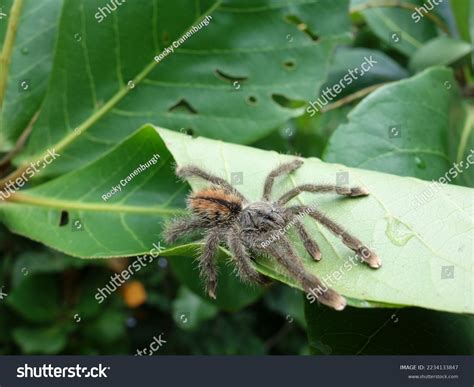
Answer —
229 97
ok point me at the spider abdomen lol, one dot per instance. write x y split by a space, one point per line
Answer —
215 204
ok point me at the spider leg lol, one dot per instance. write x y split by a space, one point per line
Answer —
190 171
281 170
323 188
178 228
286 256
309 243
207 265
243 262
350 241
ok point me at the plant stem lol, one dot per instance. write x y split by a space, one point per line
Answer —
352 97
399 4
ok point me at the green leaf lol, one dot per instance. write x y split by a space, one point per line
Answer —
397 129
232 293
189 310
41 340
28 56
397 26
108 328
41 262
416 257
439 51
70 214
407 331
288 302
461 10
471 26
385 69
36 306
91 106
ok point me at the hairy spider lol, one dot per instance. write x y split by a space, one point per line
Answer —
221 214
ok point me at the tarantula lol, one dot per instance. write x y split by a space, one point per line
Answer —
222 214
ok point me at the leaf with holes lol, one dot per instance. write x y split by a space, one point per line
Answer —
426 249
221 80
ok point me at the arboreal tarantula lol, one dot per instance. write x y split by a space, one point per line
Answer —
223 215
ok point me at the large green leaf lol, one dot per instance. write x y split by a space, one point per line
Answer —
70 214
407 331
232 294
439 51
461 11
385 69
398 129
44 306
396 25
223 82
189 311
41 340
27 57
426 249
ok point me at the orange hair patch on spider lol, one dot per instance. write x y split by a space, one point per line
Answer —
215 203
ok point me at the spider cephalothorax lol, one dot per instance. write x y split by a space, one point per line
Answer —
221 214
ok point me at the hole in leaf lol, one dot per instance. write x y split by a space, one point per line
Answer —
227 77
64 220
252 100
189 132
182 106
165 37
288 103
289 64
295 20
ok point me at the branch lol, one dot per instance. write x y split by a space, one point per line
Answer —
21 141
400 4
352 97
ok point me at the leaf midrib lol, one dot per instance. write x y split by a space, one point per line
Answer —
113 101
39 201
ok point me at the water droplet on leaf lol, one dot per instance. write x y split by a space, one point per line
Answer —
398 233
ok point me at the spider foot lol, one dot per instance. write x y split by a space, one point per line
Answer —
333 299
211 290
352 192
313 250
359 191
211 294
369 257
